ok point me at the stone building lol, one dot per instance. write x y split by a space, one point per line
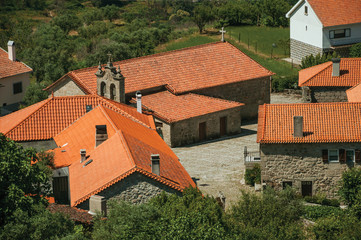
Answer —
328 82
14 79
101 147
189 118
308 146
321 26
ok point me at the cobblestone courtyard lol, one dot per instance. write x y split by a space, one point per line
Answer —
217 165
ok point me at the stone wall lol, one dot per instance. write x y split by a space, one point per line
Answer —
135 189
300 50
303 162
251 92
328 94
67 87
40 145
187 131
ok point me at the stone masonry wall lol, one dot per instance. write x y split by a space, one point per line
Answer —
187 131
303 162
135 189
67 87
300 50
251 92
328 94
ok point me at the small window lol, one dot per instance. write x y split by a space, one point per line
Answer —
102 88
350 155
306 10
18 87
333 155
340 33
112 91
286 183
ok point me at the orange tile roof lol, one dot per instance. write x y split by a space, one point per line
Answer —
173 108
127 150
323 122
354 93
181 70
9 68
44 120
335 12
321 75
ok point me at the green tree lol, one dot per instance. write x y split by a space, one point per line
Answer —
34 93
202 14
67 22
355 50
350 186
110 12
24 179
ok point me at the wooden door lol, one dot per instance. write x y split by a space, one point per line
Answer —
223 126
61 189
306 188
202 131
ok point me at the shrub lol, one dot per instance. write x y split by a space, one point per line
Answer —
321 199
315 212
311 60
253 175
355 50
351 186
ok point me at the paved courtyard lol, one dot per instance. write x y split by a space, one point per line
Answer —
217 165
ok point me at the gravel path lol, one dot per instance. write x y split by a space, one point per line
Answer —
218 165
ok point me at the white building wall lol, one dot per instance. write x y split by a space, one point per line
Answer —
354 38
7 95
306 28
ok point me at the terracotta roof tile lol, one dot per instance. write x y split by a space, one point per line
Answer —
323 122
354 93
10 68
173 108
126 151
335 12
184 70
44 120
321 75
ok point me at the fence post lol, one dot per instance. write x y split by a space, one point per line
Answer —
239 37
256 47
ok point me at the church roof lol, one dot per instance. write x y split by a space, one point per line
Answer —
173 108
45 119
334 12
127 151
322 122
321 75
10 68
180 71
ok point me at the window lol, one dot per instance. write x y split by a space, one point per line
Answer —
340 33
350 155
18 87
333 155
286 183
112 91
102 88
306 10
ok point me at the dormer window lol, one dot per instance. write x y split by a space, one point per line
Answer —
306 10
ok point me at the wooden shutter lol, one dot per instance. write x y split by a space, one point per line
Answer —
342 155
325 155
357 156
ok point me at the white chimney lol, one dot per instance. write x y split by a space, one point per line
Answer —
138 95
98 204
336 67
297 126
11 51
155 163
82 155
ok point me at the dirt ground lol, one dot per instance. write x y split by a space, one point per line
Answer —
218 165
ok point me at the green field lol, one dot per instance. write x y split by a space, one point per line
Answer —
193 40
262 38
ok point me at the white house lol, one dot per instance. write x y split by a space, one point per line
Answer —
318 26
14 79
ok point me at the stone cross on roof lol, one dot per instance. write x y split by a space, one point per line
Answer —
223 32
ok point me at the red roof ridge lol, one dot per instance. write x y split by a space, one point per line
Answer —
41 106
19 62
327 65
220 99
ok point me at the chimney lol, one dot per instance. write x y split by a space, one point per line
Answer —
11 51
82 155
100 134
97 204
155 163
297 126
138 95
336 67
